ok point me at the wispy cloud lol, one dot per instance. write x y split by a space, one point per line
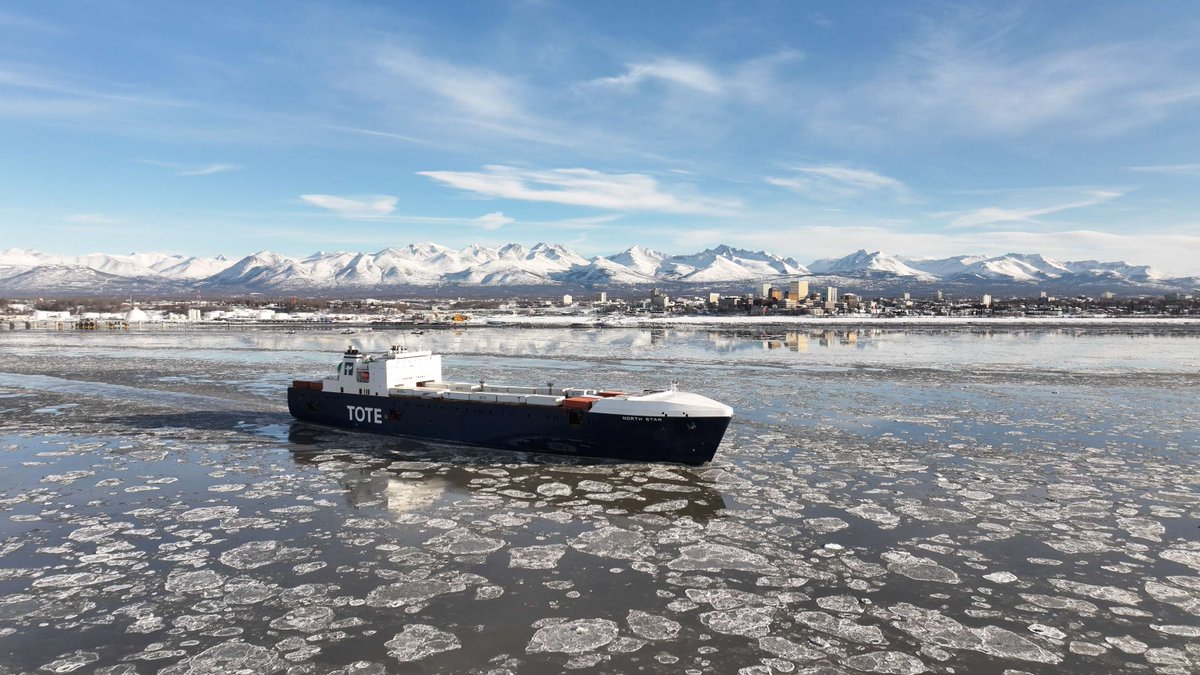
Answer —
210 169
578 187
379 134
368 206
72 92
979 74
193 170
493 221
839 182
994 214
476 91
753 79
1173 169
673 71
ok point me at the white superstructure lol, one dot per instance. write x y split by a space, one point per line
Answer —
375 375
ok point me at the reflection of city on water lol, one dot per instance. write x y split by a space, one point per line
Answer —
416 479
795 341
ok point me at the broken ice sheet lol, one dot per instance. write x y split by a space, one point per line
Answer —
934 627
965 495
461 541
921 569
842 627
651 626
614 542
418 641
718 557
897 663
536 557
255 554
573 637
228 657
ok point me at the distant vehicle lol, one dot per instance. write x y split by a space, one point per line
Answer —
402 393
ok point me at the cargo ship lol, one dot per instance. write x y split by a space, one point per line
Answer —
402 393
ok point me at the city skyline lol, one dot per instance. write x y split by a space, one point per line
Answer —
811 130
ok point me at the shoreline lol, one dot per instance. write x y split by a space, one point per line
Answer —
817 322
697 322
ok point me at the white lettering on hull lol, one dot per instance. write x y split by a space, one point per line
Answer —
358 413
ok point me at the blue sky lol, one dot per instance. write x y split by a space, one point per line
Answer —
804 128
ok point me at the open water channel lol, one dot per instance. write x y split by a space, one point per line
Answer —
890 501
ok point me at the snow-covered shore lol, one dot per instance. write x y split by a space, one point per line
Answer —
564 320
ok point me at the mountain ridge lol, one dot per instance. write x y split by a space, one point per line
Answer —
426 264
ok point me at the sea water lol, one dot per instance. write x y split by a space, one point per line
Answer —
892 501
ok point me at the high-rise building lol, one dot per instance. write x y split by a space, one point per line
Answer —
567 300
603 296
798 290
763 290
939 296
987 300
714 298
831 294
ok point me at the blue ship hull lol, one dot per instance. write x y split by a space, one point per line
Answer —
528 428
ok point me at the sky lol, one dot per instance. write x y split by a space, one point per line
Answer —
807 129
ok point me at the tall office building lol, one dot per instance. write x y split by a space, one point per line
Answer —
831 294
798 289
763 290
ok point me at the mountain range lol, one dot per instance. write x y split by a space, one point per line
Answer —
513 265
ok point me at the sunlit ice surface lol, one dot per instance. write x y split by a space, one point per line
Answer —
893 501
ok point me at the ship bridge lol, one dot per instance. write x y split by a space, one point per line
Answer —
375 375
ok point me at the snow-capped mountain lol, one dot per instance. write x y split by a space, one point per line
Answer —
639 260
1124 269
428 264
708 264
722 263
165 265
1028 267
862 263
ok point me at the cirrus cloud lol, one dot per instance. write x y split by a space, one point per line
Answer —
839 182
368 206
989 215
579 187
674 71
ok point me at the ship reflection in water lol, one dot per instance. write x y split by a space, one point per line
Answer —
405 475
